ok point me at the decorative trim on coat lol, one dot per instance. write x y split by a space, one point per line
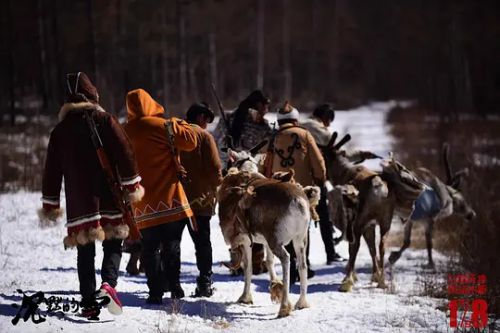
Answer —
54 201
130 180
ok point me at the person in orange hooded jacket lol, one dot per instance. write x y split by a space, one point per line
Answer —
164 210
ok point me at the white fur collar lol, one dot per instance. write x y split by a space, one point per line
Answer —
68 107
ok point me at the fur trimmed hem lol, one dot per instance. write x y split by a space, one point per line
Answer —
68 107
84 237
137 195
49 217
120 231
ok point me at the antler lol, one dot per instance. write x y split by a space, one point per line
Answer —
342 142
446 155
332 140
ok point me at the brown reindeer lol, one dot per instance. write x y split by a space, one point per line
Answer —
255 209
439 200
375 204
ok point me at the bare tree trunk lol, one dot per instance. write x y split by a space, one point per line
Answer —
260 44
11 65
43 55
182 52
57 58
287 71
212 58
313 56
164 57
93 44
122 31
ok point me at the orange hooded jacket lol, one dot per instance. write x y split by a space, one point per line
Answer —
164 200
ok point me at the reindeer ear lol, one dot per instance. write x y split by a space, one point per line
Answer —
233 156
457 178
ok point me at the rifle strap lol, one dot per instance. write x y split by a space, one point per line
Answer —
175 154
180 171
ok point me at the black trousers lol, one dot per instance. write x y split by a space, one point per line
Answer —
168 236
325 225
86 266
202 245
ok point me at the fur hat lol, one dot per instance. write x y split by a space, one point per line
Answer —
199 108
287 111
79 88
255 97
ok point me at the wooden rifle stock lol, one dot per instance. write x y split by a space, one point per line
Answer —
119 195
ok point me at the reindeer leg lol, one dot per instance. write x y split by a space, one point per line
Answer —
428 239
286 305
246 297
369 236
275 285
348 281
384 229
300 246
395 255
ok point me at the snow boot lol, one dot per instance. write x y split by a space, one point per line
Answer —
176 291
154 300
114 306
203 287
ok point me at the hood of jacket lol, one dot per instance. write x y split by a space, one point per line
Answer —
140 104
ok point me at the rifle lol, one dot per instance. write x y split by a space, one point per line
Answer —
181 172
268 166
229 137
119 197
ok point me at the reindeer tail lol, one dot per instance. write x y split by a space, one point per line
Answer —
313 194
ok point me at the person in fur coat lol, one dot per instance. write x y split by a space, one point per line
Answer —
91 212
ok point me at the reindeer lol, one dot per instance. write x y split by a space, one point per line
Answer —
255 209
375 203
438 201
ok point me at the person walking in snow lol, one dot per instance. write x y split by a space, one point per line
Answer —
317 125
247 128
204 171
295 148
164 210
91 211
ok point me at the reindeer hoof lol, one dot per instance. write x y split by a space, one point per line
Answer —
382 285
285 311
276 291
245 299
346 286
355 277
394 257
301 304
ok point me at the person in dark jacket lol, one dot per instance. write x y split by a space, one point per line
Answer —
318 125
91 212
247 128
204 171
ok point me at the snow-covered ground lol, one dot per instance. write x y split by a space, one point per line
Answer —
34 260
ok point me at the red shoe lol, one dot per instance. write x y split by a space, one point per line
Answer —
114 306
